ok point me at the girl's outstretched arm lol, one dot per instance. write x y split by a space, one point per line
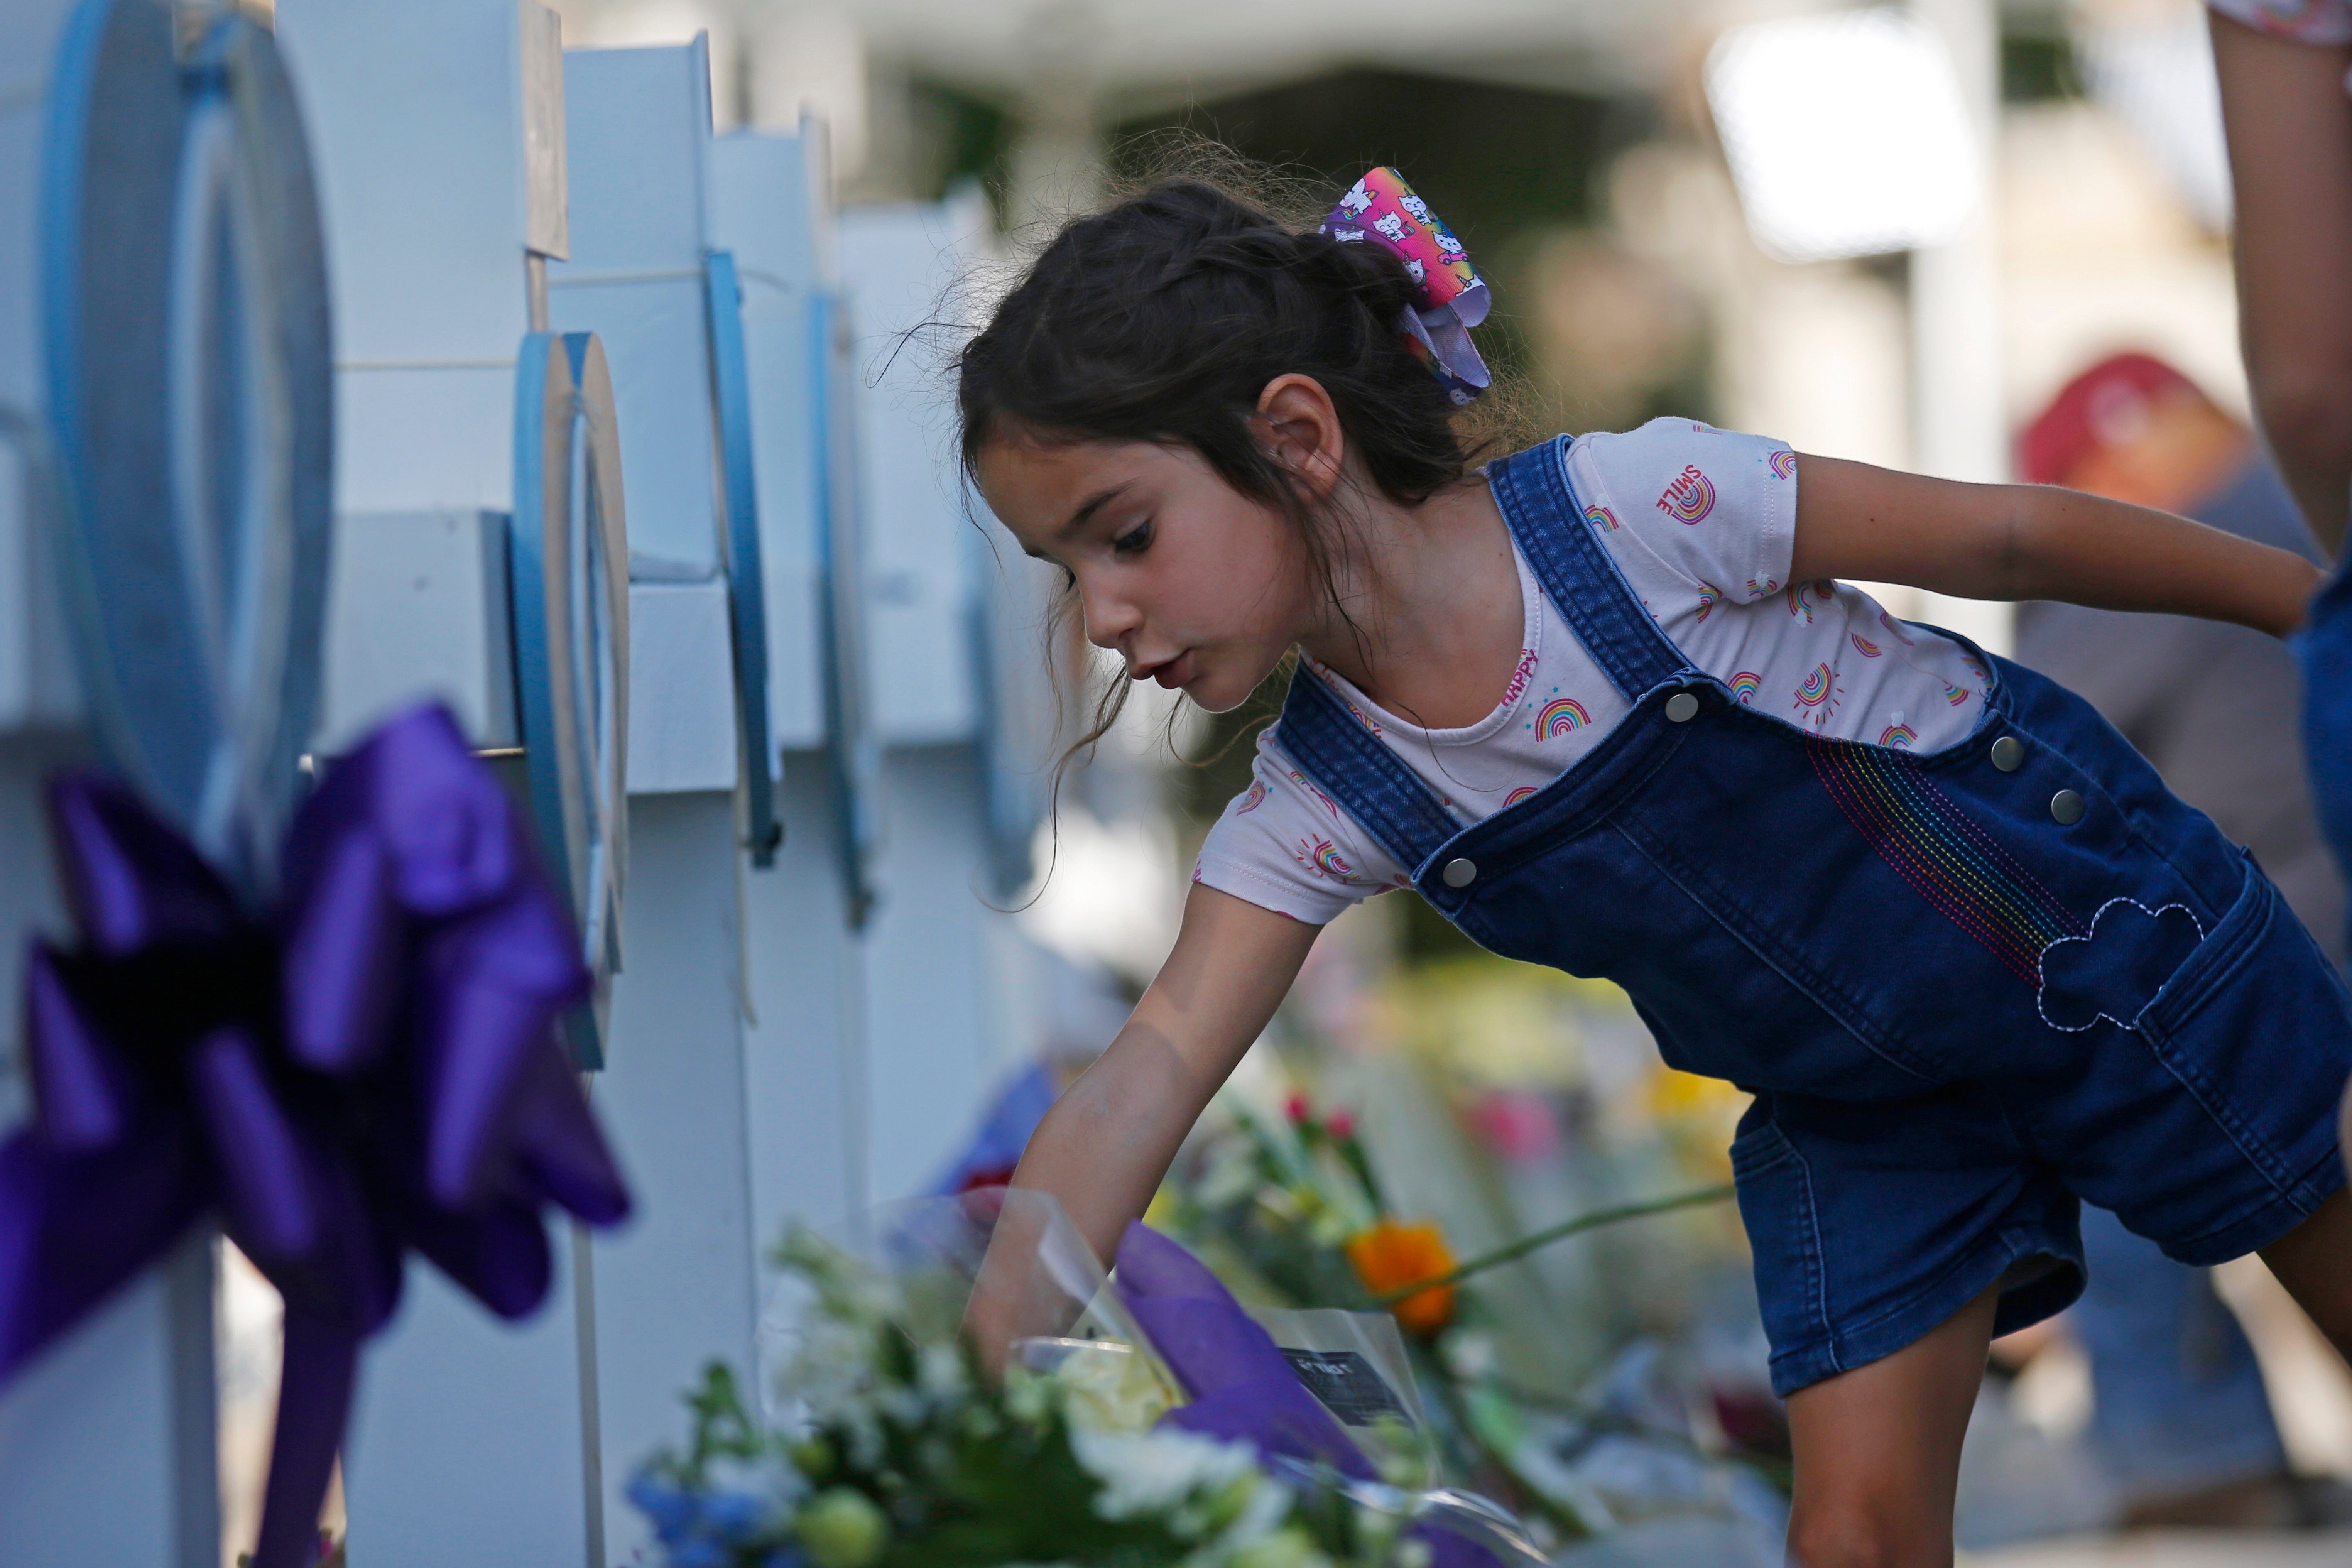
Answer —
1106 1144
2036 542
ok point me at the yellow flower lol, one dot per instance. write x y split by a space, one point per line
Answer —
1392 1254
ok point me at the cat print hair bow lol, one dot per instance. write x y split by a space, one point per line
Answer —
1383 209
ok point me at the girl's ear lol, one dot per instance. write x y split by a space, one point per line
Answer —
1300 428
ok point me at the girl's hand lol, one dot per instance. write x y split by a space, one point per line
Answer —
1106 1144
2036 542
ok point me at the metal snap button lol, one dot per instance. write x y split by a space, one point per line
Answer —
2066 807
2008 754
1681 708
1459 873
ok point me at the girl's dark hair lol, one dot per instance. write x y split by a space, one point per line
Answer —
1163 318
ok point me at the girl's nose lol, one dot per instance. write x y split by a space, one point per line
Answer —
1109 618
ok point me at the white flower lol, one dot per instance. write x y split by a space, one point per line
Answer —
756 1477
1107 1387
1154 1472
1264 1506
938 1372
1289 1548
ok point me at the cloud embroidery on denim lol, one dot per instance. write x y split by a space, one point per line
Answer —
2115 971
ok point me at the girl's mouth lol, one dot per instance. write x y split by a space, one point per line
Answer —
1171 673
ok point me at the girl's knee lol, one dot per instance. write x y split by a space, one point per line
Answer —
1857 1531
2314 1261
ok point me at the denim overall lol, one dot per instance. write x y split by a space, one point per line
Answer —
1965 986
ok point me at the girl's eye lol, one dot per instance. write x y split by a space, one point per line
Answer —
1134 542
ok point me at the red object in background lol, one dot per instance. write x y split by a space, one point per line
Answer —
1340 1125
1298 1108
1522 1129
981 1180
2106 405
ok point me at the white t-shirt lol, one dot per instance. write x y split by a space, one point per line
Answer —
1702 523
2324 22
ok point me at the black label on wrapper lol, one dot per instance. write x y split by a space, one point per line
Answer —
1347 1384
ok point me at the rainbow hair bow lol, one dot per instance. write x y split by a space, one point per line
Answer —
1382 207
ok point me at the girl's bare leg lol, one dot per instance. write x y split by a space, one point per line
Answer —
2314 1261
1878 1451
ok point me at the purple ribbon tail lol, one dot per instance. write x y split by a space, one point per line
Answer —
75 1229
314 1398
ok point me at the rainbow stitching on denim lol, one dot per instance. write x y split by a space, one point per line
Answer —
1949 859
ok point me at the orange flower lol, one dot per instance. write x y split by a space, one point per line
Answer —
1392 1254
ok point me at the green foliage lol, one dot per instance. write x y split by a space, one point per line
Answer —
905 1456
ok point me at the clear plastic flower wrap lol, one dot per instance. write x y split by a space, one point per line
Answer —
1172 1420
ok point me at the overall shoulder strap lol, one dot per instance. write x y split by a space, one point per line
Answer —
1579 574
1351 765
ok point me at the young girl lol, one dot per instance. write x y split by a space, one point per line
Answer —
1607 706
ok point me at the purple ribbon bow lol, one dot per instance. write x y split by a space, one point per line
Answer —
371 1066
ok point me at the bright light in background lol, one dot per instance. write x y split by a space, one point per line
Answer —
1111 893
1847 134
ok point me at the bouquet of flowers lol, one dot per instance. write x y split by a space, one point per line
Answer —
1141 1422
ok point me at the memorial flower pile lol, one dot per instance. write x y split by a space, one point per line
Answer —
890 1448
1289 1204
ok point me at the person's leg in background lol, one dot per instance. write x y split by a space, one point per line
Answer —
2181 1420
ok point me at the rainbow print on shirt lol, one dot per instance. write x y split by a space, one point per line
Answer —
1745 685
1817 696
1895 628
1690 498
1955 695
1797 605
1708 598
1898 737
1561 716
1321 856
1763 590
1784 463
1255 798
1517 795
1864 646
1601 518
